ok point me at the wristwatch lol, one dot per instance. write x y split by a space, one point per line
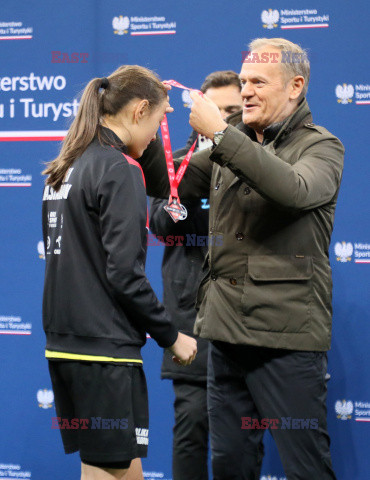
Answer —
217 137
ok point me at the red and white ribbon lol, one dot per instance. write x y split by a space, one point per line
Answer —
175 178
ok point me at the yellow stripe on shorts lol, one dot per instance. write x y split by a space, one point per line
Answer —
91 358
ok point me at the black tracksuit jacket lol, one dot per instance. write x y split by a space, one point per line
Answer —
181 273
98 303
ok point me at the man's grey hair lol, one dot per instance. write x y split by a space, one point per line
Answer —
294 59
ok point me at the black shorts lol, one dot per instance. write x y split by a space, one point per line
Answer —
102 410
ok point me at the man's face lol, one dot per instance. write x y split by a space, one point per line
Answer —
265 91
228 99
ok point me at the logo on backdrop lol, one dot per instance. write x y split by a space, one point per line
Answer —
343 251
348 410
293 19
188 102
270 18
120 25
45 398
15 31
344 409
143 25
13 177
345 93
346 251
41 249
13 325
10 470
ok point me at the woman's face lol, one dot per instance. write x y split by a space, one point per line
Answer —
144 130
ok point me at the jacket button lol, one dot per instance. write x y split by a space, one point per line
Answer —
217 186
247 191
213 277
239 236
233 281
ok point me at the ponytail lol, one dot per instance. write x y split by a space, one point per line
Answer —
79 136
102 96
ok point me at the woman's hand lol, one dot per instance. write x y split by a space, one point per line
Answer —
184 349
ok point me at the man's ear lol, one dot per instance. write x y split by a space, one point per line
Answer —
296 86
141 110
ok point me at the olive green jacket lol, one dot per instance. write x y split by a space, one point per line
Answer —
268 279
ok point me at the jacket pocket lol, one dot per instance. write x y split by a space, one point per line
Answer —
277 293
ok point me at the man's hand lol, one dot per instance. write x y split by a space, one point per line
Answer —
169 109
184 349
205 117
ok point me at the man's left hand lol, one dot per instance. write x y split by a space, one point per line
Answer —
205 117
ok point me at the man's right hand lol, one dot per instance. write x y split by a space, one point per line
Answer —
184 349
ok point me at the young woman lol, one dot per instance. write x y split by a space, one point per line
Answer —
98 304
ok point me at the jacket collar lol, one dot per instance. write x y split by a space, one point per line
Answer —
277 131
106 136
295 121
271 132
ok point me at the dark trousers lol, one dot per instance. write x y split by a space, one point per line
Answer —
248 384
190 433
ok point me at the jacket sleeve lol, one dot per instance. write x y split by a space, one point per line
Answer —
121 222
311 182
195 183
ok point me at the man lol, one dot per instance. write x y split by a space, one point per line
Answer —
181 273
265 303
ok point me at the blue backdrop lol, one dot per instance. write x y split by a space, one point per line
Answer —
49 50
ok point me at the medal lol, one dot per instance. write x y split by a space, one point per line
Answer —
174 207
175 210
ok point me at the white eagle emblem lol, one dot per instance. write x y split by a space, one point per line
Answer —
120 25
343 251
45 398
41 250
344 93
270 18
188 102
344 409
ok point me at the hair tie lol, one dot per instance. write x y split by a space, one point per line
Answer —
104 83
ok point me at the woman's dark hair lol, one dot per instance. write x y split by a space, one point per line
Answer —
103 96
